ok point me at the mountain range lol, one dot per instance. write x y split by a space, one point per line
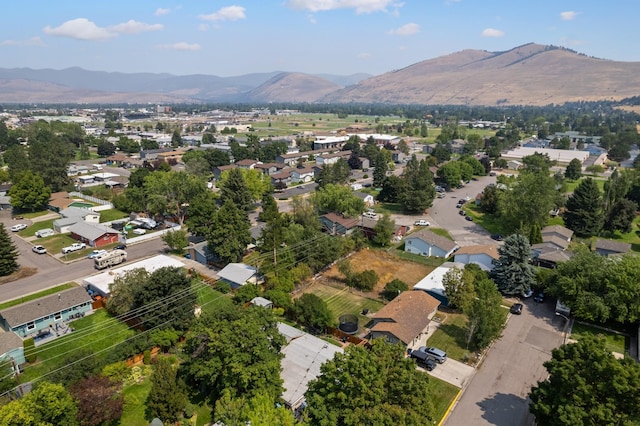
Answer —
531 74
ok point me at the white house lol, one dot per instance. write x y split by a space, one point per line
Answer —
367 198
432 283
481 255
426 243
305 174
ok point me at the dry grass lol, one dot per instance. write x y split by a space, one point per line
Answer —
387 266
23 272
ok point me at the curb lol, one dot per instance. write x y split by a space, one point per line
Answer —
450 408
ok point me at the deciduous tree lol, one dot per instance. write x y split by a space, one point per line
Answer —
370 386
47 404
170 192
312 312
573 170
384 229
587 385
234 187
167 397
621 216
485 315
99 401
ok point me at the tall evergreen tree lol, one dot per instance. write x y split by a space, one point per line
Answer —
380 170
8 253
236 190
167 398
512 272
230 232
620 216
420 190
584 213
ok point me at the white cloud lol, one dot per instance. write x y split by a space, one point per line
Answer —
569 15
134 27
406 30
492 32
364 56
84 29
360 6
81 29
229 13
180 46
33 41
160 11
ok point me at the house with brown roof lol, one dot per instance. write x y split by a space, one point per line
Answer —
336 224
304 174
481 255
217 171
405 318
427 243
269 168
611 248
247 163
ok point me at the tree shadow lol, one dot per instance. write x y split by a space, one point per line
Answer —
504 409
456 332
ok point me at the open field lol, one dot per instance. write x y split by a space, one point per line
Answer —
343 300
387 266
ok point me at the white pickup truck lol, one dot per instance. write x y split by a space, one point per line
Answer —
73 247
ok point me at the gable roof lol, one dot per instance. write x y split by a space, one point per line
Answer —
557 229
489 250
434 240
407 315
362 195
615 246
44 306
346 222
77 212
246 162
238 273
555 240
9 341
91 231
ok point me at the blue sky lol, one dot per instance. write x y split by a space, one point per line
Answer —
228 38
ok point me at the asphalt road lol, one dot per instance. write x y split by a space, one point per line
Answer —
497 394
51 271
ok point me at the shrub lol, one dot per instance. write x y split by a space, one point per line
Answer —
146 357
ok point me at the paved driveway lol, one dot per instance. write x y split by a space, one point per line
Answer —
454 372
497 393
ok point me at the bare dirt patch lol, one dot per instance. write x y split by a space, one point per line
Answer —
387 266
23 272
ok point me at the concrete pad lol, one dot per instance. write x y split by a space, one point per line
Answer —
453 372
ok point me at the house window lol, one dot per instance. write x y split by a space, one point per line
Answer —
57 316
409 242
31 325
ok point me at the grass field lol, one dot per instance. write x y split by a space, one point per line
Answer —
342 300
36 226
571 185
135 396
111 215
615 342
95 332
210 299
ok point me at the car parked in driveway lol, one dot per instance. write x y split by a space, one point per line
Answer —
421 222
516 309
437 354
497 237
539 297
19 227
42 233
39 250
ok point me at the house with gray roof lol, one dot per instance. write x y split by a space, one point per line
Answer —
73 215
611 248
427 243
94 234
238 274
43 315
11 349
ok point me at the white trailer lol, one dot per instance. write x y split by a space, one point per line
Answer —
111 258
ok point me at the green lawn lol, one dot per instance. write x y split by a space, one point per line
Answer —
391 208
210 299
343 301
405 255
615 342
32 215
488 221
135 396
442 394
451 334
111 215
36 226
94 332
571 185
38 295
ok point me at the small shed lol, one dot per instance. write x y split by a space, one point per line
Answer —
238 274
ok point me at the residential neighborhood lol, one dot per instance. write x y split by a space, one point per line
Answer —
445 248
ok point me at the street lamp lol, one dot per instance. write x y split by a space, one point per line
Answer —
566 325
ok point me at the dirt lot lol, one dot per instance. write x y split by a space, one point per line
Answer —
387 266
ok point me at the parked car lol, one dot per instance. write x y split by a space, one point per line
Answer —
527 294
469 218
421 222
516 309
437 354
47 232
96 253
539 297
19 227
422 358
39 250
497 237
370 214
429 364
120 247
462 213
73 247
139 231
